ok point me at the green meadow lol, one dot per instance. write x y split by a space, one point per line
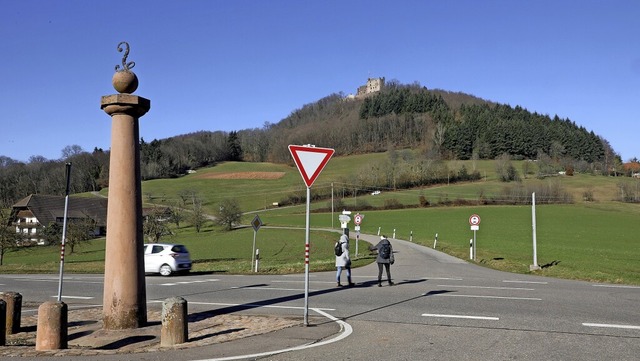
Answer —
596 240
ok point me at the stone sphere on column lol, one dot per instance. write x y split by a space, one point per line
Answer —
125 81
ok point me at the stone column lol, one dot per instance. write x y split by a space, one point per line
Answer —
13 311
125 299
52 330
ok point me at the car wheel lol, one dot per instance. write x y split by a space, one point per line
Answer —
165 270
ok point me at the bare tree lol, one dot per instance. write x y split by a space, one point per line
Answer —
197 216
155 226
228 213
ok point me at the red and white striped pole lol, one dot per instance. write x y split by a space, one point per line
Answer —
306 262
64 232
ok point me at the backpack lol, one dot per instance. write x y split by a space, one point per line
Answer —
338 249
385 251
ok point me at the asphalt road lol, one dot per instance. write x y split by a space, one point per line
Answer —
440 308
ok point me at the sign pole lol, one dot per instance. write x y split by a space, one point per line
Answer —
253 251
534 266
64 232
306 262
310 161
475 246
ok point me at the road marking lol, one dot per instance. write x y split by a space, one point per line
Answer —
345 331
75 297
631 327
494 297
533 282
269 288
188 282
251 305
442 278
616 286
54 280
327 282
461 316
490 288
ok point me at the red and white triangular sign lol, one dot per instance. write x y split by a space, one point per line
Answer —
310 161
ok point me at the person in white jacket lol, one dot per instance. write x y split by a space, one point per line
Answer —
343 260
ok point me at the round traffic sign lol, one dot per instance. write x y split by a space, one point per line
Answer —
474 220
357 219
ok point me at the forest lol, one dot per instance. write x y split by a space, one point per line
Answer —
441 125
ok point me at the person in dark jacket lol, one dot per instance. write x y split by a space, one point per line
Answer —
344 261
385 258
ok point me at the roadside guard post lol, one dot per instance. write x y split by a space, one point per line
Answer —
357 219
310 161
474 221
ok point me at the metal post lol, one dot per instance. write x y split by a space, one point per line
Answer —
257 260
475 246
64 231
471 248
331 205
306 262
253 250
534 266
357 239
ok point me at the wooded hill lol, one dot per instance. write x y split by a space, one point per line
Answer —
442 125
445 125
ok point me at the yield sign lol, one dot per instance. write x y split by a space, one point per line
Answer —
310 161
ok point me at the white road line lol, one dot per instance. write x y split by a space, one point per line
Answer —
75 297
532 282
616 286
493 297
187 282
442 278
327 282
345 331
270 289
461 316
251 305
54 280
490 288
631 327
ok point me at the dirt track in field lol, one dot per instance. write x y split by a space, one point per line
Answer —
243 175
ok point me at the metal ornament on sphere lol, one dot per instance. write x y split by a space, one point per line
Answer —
125 66
124 80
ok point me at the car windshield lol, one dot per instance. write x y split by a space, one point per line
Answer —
178 248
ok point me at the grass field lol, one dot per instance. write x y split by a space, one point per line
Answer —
596 240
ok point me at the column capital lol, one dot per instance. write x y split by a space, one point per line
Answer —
133 105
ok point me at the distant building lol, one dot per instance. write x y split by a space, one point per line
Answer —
31 215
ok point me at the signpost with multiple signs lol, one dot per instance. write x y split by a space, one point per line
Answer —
310 161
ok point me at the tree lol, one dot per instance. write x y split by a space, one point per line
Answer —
155 225
228 213
9 238
234 148
505 169
197 216
78 232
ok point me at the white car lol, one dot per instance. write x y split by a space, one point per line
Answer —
166 258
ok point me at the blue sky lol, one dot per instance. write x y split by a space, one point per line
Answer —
232 65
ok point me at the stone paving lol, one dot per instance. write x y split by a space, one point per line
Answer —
86 336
